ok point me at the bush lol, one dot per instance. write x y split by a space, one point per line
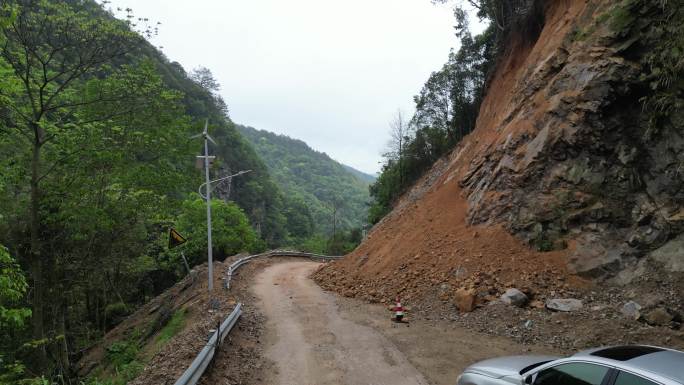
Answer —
123 357
115 312
122 353
316 244
231 230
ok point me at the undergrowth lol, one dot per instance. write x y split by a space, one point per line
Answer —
172 328
124 360
123 357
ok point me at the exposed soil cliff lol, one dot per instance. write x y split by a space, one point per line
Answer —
566 178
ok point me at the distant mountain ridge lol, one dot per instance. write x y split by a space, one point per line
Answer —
323 184
368 178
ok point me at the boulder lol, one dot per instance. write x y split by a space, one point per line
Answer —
514 297
659 317
465 299
670 254
564 304
631 310
591 259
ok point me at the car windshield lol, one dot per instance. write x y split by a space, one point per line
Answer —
530 367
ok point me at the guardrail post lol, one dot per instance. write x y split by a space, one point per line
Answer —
218 339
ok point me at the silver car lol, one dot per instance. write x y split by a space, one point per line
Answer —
618 365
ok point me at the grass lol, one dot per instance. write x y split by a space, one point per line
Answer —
172 328
582 34
621 17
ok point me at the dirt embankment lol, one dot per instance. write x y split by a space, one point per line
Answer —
165 358
543 164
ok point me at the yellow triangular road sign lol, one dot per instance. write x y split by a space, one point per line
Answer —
175 239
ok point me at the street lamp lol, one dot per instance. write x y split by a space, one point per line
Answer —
220 179
207 197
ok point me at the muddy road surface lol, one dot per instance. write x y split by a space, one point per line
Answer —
313 337
311 343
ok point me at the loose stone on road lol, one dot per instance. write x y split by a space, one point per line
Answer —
312 344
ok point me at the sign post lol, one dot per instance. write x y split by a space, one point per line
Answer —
175 239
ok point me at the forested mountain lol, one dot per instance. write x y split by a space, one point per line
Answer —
254 192
328 188
368 178
96 164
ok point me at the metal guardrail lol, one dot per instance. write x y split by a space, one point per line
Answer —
193 373
275 253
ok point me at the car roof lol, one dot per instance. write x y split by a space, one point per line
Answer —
659 361
667 363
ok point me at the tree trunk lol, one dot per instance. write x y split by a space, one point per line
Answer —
36 260
63 347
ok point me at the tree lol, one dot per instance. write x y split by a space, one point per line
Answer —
230 227
446 110
96 137
300 223
12 317
343 242
90 99
434 103
522 16
399 135
204 77
50 47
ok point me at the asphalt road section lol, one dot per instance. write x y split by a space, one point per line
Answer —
311 343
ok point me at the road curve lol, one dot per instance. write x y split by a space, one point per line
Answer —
312 345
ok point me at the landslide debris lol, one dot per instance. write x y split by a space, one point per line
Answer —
565 190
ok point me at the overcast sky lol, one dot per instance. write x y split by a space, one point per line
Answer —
331 73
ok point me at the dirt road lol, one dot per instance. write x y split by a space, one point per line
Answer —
317 338
312 344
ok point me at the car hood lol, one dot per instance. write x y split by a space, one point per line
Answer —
506 366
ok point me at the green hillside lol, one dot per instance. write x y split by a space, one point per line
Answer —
255 192
368 178
97 162
314 178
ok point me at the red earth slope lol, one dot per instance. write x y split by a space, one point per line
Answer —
426 246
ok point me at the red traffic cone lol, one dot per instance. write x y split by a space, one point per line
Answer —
398 311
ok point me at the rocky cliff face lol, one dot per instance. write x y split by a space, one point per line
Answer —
569 173
576 158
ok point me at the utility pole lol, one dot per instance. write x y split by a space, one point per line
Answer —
334 221
210 259
206 174
207 197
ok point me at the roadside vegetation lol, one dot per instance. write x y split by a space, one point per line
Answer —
97 164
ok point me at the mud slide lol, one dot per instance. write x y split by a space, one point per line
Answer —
312 344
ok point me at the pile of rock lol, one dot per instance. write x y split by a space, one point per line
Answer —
653 314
